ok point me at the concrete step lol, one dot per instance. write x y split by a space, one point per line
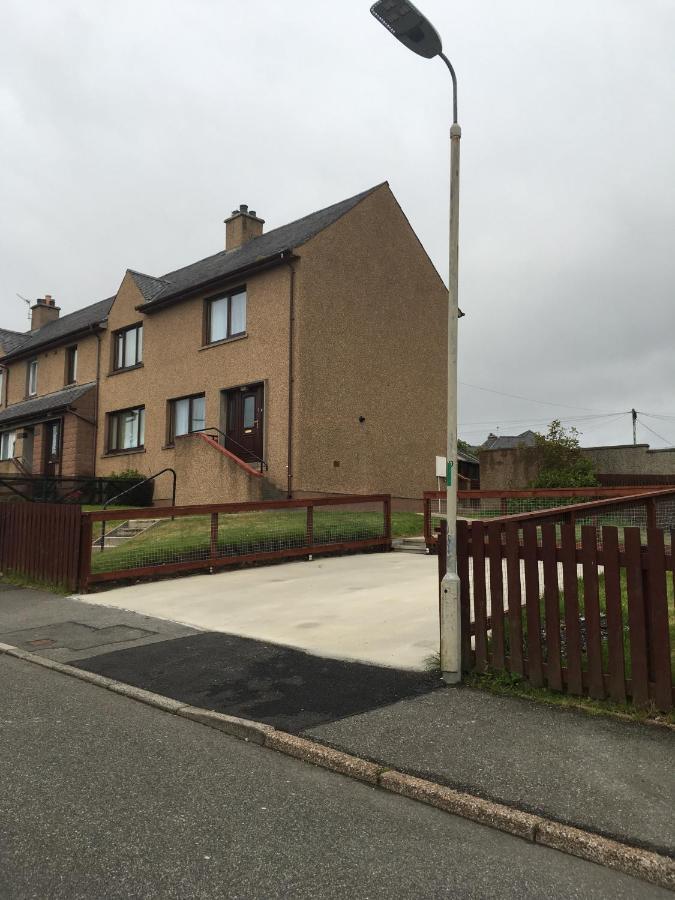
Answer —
410 545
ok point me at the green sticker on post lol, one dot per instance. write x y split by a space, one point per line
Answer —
448 474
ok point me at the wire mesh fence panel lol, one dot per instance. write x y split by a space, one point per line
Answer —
130 543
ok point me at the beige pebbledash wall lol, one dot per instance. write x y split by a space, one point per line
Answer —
175 364
205 475
52 370
371 342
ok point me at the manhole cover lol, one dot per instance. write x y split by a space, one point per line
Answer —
75 636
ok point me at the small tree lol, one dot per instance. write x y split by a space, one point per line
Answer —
563 466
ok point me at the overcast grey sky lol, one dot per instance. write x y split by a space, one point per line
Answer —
131 129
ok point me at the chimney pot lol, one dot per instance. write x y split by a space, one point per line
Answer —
242 226
43 311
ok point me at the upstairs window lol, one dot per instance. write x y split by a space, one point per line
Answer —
7 442
71 365
186 415
128 347
32 377
226 317
126 429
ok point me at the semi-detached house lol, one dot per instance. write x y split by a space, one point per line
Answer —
307 360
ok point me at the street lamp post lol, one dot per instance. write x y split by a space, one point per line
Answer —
412 29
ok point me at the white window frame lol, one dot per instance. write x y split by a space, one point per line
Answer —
7 445
32 377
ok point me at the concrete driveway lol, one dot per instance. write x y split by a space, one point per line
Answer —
378 608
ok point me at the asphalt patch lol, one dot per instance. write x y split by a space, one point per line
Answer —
257 680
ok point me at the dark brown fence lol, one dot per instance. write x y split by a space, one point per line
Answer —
584 609
170 540
634 505
41 542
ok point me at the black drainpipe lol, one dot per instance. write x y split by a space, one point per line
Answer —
291 320
98 388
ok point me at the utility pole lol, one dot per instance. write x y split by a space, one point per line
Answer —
634 415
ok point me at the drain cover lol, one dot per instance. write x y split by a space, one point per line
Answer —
75 635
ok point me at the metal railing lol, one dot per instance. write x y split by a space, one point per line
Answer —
226 439
133 487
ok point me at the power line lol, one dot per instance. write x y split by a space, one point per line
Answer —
528 399
659 436
656 416
580 419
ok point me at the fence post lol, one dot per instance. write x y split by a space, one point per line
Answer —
86 549
310 526
387 519
214 537
650 510
428 537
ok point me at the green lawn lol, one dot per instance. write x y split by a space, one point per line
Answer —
188 538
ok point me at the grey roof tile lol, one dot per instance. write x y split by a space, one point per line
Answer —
510 442
148 286
264 247
11 340
40 406
65 326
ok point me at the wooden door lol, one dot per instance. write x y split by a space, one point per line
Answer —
244 431
52 448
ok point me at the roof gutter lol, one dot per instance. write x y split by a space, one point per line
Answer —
254 268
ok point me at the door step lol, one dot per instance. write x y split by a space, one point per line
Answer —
410 545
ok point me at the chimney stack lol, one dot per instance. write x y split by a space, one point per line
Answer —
43 311
242 226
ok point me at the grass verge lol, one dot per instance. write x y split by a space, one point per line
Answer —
507 685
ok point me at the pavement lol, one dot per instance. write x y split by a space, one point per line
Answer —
604 775
103 796
379 608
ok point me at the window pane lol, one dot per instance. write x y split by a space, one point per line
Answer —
32 378
198 414
130 348
218 319
7 440
139 344
249 412
181 416
112 432
238 302
119 352
141 427
129 429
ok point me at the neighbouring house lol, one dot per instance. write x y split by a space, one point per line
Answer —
306 360
49 392
509 441
517 467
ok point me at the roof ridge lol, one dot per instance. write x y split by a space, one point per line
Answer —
359 196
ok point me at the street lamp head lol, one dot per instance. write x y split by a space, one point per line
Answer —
408 24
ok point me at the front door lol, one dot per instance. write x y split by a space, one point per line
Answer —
244 429
52 448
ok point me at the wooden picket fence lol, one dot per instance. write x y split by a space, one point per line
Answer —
41 542
585 609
